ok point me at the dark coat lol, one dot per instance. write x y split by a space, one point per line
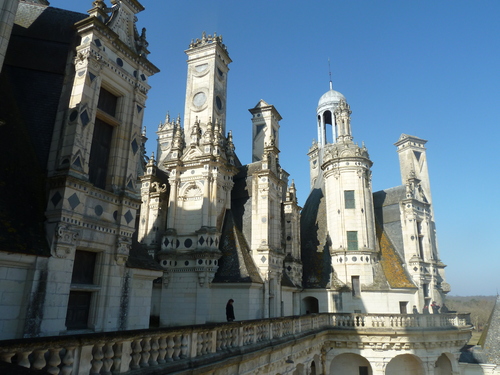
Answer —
230 312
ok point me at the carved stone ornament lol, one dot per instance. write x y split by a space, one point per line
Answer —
65 240
122 250
86 57
156 187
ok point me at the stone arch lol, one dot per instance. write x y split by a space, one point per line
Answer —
350 364
310 305
312 368
405 364
189 207
316 367
444 365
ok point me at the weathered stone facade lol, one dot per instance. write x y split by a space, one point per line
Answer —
106 240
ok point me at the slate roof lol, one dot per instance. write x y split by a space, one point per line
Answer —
489 342
387 214
31 83
315 255
236 264
316 259
31 88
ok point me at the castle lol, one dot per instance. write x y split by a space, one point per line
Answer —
108 240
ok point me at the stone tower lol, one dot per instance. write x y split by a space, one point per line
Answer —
199 163
206 87
419 228
349 205
269 185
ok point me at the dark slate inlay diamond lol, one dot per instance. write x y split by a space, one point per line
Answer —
211 241
263 259
73 201
201 240
115 215
177 244
139 109
91 76
77 163
73 115
81 73
97 42
128 217
98 210
130 185
56 198
84 116
135 73
166 242
86 40
143 77
135 146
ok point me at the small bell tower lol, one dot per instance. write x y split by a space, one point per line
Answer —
206 87
349 205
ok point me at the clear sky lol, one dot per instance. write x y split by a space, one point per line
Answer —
424 68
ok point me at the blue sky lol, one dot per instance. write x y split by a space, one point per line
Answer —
425 68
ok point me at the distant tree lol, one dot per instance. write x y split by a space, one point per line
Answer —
479 307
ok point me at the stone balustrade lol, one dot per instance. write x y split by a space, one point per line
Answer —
180 348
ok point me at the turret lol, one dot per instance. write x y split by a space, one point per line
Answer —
349 202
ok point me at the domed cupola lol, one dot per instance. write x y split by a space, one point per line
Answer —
327 105
329 99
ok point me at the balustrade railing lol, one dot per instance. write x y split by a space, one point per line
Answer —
121 352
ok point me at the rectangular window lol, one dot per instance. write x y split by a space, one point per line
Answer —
356 287
349 199
352 240
403 307
99 153
77 316
101 139
82 287
83 267
107 102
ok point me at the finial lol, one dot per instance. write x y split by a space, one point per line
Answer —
330 74
151 160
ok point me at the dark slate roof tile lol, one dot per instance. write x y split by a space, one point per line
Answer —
315 255
489 342
236 263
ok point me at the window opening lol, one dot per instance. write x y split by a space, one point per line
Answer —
82 287
352 240
403 306
349 199
356 287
